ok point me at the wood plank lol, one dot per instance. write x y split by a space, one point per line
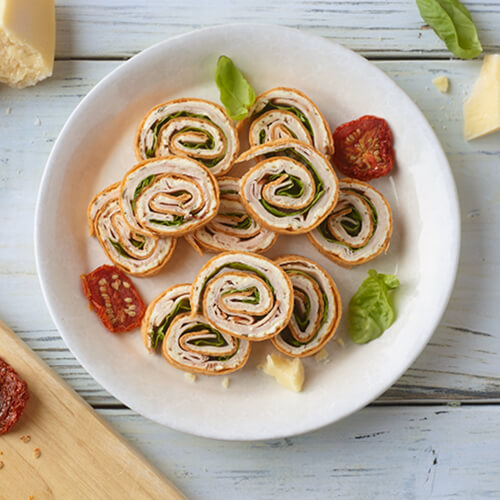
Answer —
392 28
432 452
461 361
69 443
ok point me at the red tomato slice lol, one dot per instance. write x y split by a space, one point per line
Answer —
114 298
13 396
363 148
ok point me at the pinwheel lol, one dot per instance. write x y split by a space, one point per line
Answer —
161 312
243 294
168 196
193 345
283 113
358 229
134 253
232 228
317 308
189 127
292 189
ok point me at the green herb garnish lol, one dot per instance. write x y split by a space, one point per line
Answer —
370 310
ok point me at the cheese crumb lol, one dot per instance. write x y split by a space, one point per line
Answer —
441 83
321 355
225 382
27 39
37 122
190 377
482 108
288 372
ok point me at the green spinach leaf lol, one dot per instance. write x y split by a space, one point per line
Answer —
370 309
452 22
236 93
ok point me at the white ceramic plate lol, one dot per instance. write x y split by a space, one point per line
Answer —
95 148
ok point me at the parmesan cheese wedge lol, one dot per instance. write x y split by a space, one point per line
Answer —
482 108
288 372
27 41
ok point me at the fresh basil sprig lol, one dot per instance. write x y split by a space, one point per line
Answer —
452 22
236 93
370 309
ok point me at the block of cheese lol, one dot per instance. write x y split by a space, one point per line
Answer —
287 372
482 108
27 41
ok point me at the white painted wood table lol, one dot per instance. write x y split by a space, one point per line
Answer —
436 432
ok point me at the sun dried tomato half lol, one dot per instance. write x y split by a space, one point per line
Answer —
114 298
13 396
363 148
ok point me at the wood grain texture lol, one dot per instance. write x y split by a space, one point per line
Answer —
461 360
410 453
80 456
388 28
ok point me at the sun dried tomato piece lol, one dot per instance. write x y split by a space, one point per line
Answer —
13 396
363 148
114 298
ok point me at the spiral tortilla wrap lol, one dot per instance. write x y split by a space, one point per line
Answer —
243 294
195 128
286 113
168 196
232 228
317 308
358 229
193 345
132 252
161 312
292 189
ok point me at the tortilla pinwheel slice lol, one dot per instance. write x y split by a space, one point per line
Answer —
243 294
168 196
317 308
358 229
195 128
232 228
286 113
193 345
292 189
161 312
132 252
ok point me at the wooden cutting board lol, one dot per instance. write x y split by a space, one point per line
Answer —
81 457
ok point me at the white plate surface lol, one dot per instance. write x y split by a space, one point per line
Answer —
95 148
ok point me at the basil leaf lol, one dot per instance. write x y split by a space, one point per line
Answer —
178 220
236 93
452 22
140 187
370 309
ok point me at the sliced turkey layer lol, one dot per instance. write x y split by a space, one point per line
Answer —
161 312
193 345
132 252
243 294
168 196
195 128
358 229
292 188
317 308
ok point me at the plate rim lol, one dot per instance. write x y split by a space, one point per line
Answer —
455 225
